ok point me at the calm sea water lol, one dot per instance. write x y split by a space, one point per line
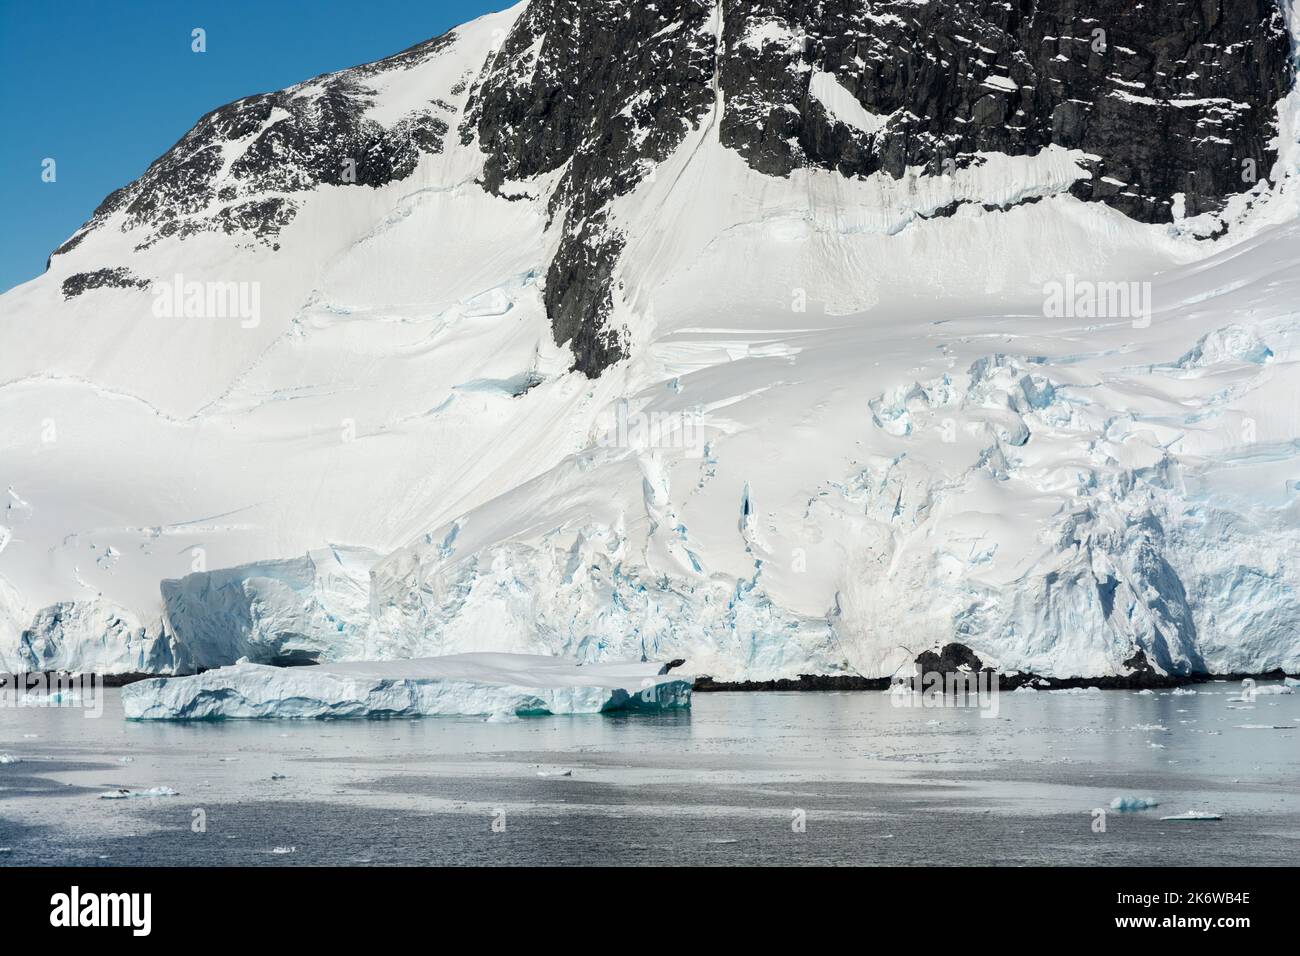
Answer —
800 778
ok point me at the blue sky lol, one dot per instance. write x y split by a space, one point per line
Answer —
104 88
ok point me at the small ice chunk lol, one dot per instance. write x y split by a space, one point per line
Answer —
9 758
124 794
1131 804
1263 727
1192 815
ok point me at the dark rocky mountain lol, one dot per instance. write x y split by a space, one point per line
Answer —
293 140
1167 99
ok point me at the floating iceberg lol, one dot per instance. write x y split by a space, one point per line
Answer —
1192 816
485 684
1132 804
125 794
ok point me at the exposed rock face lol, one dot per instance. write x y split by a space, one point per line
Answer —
1169 98
952 659
115 278
218 176
609 90
1166 100
1174 104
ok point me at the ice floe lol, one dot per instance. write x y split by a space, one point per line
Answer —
484 684
125 794
1130 804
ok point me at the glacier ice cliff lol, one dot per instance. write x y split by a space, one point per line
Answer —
742 348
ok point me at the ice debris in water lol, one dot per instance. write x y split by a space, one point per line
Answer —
1193 815
1129 804
1263 727
9 758
124 794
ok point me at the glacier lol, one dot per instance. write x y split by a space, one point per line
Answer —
899 448
497 686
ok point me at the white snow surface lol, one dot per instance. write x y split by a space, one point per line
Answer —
841 105
493 685
897 448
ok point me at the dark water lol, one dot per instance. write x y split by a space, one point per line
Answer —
812 778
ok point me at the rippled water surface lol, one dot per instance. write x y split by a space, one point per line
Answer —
799 778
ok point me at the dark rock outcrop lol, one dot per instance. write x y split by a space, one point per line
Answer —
1168 98
290 141
1165 100
606 91
952 659
118 277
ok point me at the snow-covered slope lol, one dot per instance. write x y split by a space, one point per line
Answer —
618 375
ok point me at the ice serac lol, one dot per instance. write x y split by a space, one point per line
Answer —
498 686
733 331
93 636
297 611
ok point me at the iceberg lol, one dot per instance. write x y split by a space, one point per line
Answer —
481 684
123 793
1132 804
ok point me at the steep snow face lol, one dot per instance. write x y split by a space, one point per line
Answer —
856 413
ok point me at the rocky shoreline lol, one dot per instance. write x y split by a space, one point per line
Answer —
852 682
958 658
840 682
